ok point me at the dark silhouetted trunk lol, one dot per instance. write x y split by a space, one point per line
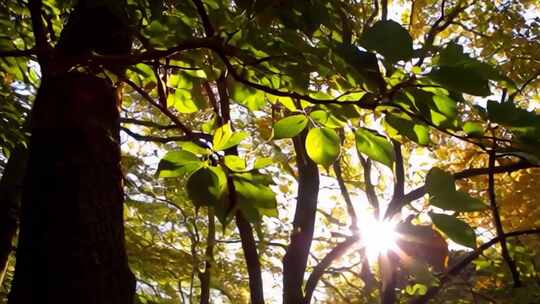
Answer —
71 242
296 257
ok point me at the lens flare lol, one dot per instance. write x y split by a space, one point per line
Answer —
378 237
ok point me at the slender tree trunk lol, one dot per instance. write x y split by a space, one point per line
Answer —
296 257
10 186
71 242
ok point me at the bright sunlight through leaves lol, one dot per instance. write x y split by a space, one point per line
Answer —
378 237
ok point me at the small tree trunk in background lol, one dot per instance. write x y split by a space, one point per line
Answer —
10 186
71 242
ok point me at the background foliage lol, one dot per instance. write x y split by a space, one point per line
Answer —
392 99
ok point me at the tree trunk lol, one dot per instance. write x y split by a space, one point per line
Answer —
296 257
71 241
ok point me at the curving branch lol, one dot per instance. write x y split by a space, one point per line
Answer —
319 270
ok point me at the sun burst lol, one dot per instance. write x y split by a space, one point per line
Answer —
378 237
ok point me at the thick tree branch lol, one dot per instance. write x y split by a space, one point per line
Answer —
421 191
384 9
458 267
145 123
208 28
367 101
497 219
40 34
151 138
318 271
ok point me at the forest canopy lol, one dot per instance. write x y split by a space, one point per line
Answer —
311 151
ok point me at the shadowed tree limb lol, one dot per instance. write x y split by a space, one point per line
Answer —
497 220
458 267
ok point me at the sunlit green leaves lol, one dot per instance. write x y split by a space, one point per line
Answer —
322 146
457 230
254 196
375 146
178 163
206 186
248 97
225 138
389 39
290 126
442 191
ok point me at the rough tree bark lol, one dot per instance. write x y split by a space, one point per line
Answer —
71 242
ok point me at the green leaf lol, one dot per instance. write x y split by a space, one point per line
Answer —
473 128
289 126
253 189
445 105
439 182
225 138
418 133
193 148
326 119
262 163
522 122
461 78
457 230
178 163
234 162
365 64
375 146
206 186
389 39
442 191
254 197
248 97
322 146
